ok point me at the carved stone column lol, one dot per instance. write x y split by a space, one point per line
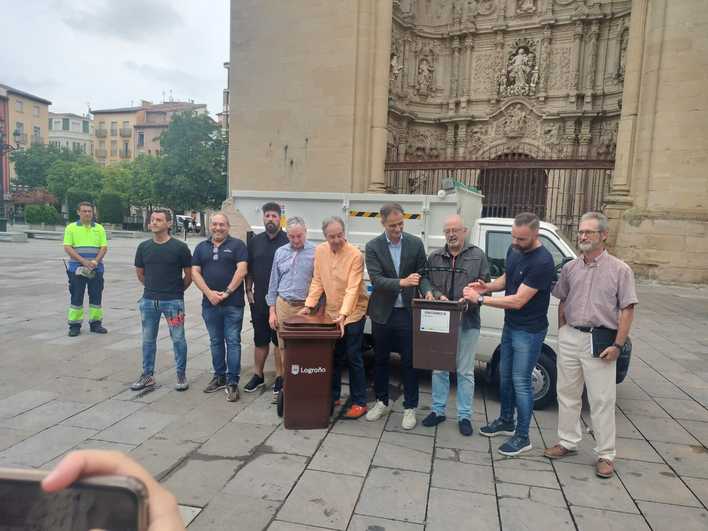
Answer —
469 45
591 64
499 64
461 140
454 73
575 61
545 61
450 144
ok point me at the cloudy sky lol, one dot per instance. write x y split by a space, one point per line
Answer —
109 53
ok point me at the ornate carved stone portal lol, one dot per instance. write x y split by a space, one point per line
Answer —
478 78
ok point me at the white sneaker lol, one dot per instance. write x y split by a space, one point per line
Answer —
376 412
409 420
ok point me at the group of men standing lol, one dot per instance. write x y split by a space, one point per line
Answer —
282 274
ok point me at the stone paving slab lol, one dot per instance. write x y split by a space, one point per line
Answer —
344 454
394 494
582 487
654 482
662 517
24 401
267 476
405 451
199 478
447 509
369 523
44 416
45 446
159 455
461 476
588 519
522 507
322 499
103 414
136 428
227 512
299 442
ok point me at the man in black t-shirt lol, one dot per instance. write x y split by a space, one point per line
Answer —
218 268
261 250
164 266
529 273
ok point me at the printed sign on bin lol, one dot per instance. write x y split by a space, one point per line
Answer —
435 321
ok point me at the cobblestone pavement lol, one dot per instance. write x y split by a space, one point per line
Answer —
233 466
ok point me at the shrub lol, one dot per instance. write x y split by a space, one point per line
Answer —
110 208
47 214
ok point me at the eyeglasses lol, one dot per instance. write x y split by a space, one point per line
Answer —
588 232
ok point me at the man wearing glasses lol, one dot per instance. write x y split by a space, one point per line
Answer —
597 297
219 266
448 271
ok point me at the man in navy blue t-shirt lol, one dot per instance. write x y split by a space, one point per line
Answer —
219 266
527 283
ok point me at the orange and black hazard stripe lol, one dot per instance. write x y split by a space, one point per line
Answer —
366 214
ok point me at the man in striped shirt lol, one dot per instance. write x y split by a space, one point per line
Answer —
85 243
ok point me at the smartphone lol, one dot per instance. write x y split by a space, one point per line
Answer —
112 503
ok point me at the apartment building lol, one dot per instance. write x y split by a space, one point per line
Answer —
71 131
124 133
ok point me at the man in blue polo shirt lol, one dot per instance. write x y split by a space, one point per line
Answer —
219 266
527 283
85 243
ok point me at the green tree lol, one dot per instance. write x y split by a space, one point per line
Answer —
32 165
193 163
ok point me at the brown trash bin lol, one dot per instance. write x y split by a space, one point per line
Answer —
436 334
306 399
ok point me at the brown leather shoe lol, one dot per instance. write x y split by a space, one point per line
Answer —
604 468
557 451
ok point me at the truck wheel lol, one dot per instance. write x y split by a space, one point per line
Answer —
543 379
280 404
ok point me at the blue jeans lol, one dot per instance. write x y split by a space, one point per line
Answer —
224 326
150 312
465 377
519 354
348 351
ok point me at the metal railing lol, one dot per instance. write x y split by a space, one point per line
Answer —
126 132
101 133
558 191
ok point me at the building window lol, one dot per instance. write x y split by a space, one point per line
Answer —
20 128
57 124
65 124
50 125
85 126
18 105
141 139
114 148
114 128
102 144
35 111
126 124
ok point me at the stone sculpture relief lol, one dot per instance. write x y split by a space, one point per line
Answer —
623 43
424 79
521 75
525 7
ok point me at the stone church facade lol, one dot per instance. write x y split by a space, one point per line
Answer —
327 95
475 79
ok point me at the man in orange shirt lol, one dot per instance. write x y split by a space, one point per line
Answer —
339 275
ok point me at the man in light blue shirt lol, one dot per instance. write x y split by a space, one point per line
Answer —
395 249
290 278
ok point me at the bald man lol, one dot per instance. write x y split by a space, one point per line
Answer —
219 266
448 271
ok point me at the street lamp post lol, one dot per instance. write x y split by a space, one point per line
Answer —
4 150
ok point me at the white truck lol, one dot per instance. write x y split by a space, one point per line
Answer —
425 215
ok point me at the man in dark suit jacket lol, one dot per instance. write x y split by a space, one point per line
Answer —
395 261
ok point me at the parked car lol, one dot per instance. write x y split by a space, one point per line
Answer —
194 225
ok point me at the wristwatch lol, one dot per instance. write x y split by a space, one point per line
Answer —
619 347
228 291
480 300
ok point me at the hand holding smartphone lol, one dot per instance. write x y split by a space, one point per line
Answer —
88 490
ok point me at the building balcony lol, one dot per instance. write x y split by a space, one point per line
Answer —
37 140
114 132
125 154
126 132
20 139
101 133
101 153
